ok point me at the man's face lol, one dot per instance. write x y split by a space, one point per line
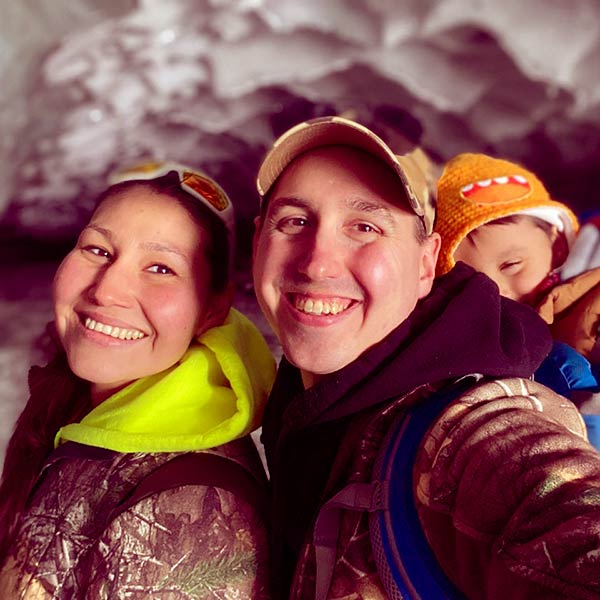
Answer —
337 265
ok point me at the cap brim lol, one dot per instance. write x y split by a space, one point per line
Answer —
337 131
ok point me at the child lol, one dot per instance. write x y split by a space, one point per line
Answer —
123 470
498 218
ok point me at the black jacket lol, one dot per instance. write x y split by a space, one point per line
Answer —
463 326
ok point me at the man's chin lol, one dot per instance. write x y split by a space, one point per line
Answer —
316 362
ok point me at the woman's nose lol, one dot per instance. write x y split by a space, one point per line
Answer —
111 286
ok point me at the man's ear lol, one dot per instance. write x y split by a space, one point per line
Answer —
217 311
430 251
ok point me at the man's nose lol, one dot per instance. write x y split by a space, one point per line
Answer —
111 286
323 256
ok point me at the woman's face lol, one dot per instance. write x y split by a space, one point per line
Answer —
131 295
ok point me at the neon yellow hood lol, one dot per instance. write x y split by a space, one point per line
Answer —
214 394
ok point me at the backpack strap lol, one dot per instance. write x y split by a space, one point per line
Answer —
357 496
400 443
405 561
595 351
201 469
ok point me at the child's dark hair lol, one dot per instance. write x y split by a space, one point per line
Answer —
58 397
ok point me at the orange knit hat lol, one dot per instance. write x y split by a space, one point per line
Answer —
475 189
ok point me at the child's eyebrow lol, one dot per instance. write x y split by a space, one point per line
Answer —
509 251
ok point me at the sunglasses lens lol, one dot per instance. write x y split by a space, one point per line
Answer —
205 188
192 182
145 169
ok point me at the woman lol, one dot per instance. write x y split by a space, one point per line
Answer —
103 494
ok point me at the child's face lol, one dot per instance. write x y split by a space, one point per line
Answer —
134 291
517 256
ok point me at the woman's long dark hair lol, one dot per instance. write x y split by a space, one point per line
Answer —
58 396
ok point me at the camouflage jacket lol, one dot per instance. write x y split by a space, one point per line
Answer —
508 495
188 542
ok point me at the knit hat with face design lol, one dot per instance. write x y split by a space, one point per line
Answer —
475 189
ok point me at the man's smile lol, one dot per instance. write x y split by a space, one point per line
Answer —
319 306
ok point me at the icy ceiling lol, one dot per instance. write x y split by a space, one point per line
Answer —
88 85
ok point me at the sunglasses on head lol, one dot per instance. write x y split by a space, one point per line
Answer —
194 182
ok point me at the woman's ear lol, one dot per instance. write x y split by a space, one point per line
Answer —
217 311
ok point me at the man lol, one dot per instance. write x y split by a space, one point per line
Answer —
506 487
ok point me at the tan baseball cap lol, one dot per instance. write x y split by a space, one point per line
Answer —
411 168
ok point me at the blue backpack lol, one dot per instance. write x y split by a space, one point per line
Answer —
405 563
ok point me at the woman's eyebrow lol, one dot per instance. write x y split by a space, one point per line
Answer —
160 247
151 246
102 230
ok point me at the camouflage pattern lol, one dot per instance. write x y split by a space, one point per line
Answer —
508 492
355 575
190 542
